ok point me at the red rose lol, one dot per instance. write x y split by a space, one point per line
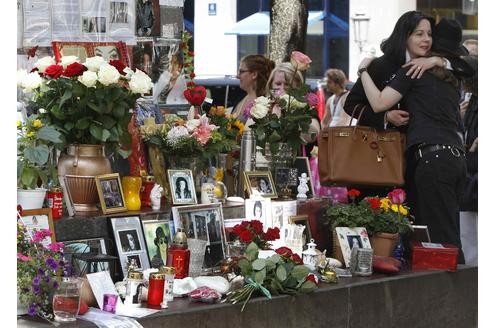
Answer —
119 65
245 224
74 69
54 71
311 277
284 251
246 236
296 259
238 229
257 226
374 202
192 75
397 196
272 234
353 193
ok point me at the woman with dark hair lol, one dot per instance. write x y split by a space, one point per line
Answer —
161 243
257 210
182 189
253 74
264 186
436 157
383 68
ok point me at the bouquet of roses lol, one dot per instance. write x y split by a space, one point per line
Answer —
281 273
38 266
252 231
228 126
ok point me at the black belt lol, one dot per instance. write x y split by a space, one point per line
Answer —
423 150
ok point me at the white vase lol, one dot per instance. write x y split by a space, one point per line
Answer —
31 198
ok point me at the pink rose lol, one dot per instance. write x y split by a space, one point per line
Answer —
299 60
312 99
397 196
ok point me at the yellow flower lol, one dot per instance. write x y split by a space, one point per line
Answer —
238 124
403 210
30 134
19 125
385 203
37 124
394 208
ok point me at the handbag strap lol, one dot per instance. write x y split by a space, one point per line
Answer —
360 114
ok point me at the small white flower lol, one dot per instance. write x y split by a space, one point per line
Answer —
292 102
21 75
93 63
108 75
42 111
176 133
140 82
191 125
31 81
43 63
260 107
128 73
67 60
88 78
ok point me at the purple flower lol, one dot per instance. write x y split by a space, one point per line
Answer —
36 281
32 309
47 279
312 99
51 263
55 285
41 272
36 289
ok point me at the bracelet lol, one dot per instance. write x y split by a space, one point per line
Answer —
361 70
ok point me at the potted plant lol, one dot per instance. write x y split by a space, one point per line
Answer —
384 218
90 104
35 141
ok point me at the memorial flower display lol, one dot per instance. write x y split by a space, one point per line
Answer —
228 126
386 214
90 102
281 273
39 264
283 118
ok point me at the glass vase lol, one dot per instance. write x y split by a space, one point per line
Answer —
282 157
131 187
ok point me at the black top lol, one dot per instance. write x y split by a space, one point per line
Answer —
471 128
381 71
433 108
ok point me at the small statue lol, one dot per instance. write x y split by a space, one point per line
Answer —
303 188
156 196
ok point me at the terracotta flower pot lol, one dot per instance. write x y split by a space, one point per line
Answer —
384 243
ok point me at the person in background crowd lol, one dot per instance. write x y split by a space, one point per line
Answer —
438 163
471 46
469 204
334 109
253 74
281 77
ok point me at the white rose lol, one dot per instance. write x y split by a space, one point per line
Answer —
292 102
31 81
140 82
88 78
108 74
67 60
192 124
21 75
128 73
260 107
94 63
43 63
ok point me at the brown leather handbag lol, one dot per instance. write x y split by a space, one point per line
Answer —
361 156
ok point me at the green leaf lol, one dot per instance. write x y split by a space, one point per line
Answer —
300 272
308 286
260 276
95 107
259 264
270 265
281 273
29 177
37 155
66 96
49 133
245 267
83 123
290 282
124 153
107 121
252 252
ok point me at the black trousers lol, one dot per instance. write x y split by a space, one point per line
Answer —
435 184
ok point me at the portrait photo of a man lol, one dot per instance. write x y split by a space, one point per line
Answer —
129 241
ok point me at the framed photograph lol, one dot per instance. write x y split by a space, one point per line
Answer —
147 18
286 177
107 50
182 187
304 221
204 221
258 209
74 248
260 182
110 193
158 239
302 166
130 242
142 56
349 237
38 219
229 227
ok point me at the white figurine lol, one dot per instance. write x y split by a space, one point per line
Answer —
156 196
303 188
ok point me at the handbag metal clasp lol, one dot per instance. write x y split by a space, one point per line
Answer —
455 151
343 134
